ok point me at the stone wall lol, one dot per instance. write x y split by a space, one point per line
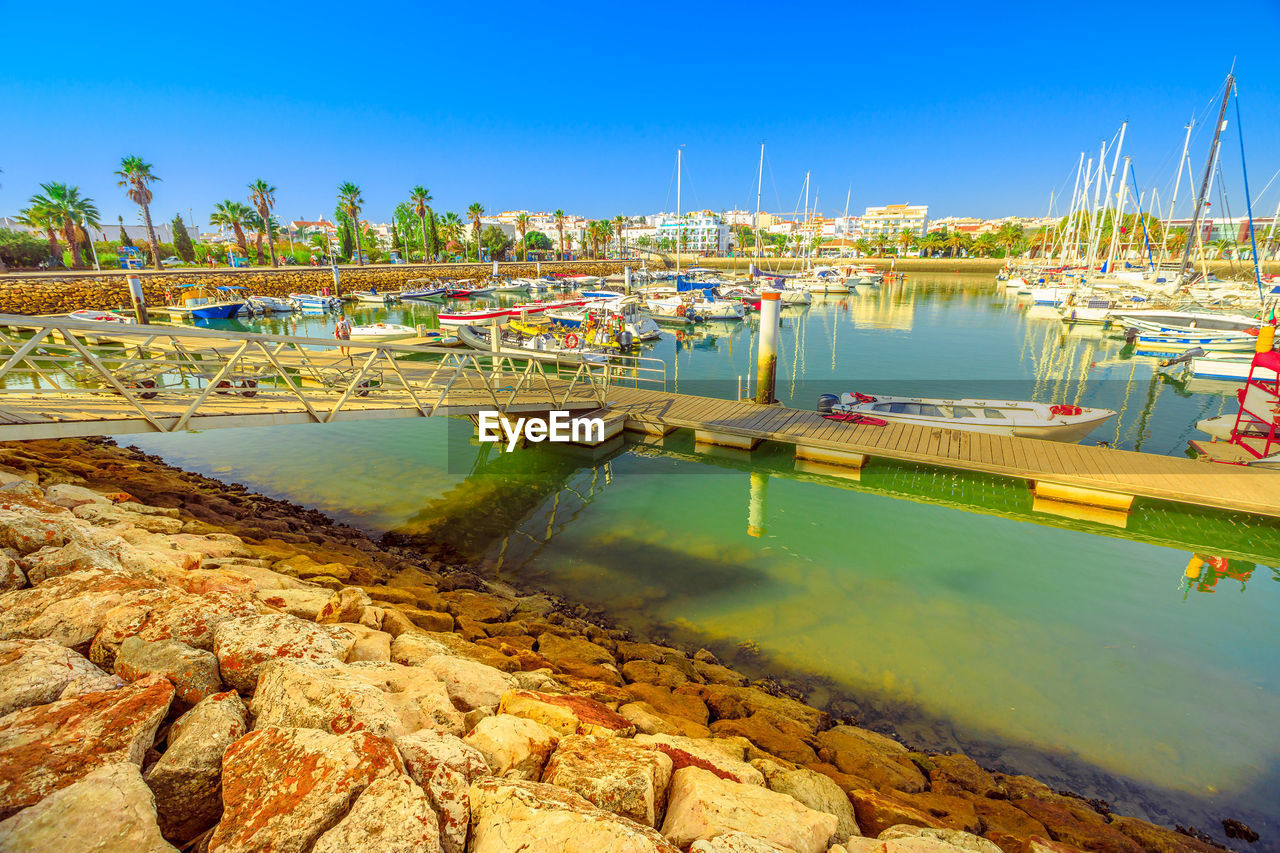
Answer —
59 293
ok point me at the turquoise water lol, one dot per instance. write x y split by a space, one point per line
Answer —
939 603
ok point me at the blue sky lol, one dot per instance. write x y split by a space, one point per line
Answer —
976 109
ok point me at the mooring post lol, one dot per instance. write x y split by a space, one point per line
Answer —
495 342
626 280
767 362
337 283
139 299
756 508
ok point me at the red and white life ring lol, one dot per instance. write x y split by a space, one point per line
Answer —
572 341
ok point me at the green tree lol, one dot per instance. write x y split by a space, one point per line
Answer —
522 225
434 231
234 215
263 198
135 173
536 241
350 202
881 242
182 240
474 211
420 199
496 241
20 249
1009 237
958 241
619 222
863 245
560 221
906 239
986 245
64 205
452 228
43 219
124 235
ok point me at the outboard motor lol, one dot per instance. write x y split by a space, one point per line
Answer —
825 402
624 342
1194 352
1131 335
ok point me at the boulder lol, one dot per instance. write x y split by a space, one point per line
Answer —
514 747
53 562
305 603
701 805
391 816
480 606
411 648
565 713
740 842
776 736
647 720
244 645
371 644
11 574
1157 838
47 747
653 673
724 758
28 523
69 609
670 704
877 812
108 810
91 684
952 811
344 605
326 773
615 774
470 684
813 790
961 771
69 496
150 519
1073 822
35 672
201 581
879 760
445 767
187 780
508 815
728 702
383 698
166 614
193 672
954 839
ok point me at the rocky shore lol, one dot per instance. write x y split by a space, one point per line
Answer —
185 664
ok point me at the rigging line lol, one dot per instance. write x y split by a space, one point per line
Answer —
666 205
773 181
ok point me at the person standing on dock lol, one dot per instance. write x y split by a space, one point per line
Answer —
342 332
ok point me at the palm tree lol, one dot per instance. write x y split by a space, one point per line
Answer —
451 227
63 206
263 197
1224 246
135 174
618 222
1177 241
905 239
560 220
420 198
1009 236
522 224
40 218
350 202
881 242
956 241
233 215
474 211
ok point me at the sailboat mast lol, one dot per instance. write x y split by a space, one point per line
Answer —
1118 222
759 186
1069 230
1173 204
1111 178
1208 175
847 197
679 220
1095 222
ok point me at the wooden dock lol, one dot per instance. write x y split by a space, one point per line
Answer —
1064 472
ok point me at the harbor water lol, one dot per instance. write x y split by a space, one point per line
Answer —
1135 662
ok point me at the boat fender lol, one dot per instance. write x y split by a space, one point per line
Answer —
572 341
863 398
1062 409
826 402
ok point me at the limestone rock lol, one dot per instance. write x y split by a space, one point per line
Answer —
815 791
962 772
738 842
344 605
371 644
326 773
244 645
391 816
35 672
565 713
646 719
777 736
411 648
47 747
11 574
69 609
86 684
877 812
507 815
724 758
110 809
879 760
615 774
201 581
150 519
702 805
73 557
514 747
303 603
728 702
69 496
470 684
445 767
193 672
953 838
385 699
166 615
28 523
1073 822
187 780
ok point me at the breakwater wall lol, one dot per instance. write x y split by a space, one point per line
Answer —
59 293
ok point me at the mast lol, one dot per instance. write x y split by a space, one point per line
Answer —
1111 178
1164 238
1094 223
1073 225
847 197
1116 223
1208 175
679 220
755 223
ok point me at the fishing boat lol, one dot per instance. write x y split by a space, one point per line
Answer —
1020 418
425 291
99 316
382 332
208 303
512 285
373 297
544 346
312 303
639 325
472 318
273 304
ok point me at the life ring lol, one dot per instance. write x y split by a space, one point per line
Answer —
572 341
680 310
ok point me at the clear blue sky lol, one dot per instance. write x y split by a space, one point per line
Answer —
976 109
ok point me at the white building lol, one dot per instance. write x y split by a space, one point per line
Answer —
701 231
892 219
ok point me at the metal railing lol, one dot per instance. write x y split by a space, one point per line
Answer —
59 370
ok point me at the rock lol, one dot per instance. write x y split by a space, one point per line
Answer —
345 605
11 574
728 702
879 760
445 767
429 620
244 645
508 815
35 672
371 644
86 684
187 780
962 772
304 603
480 606
514 747
714 673
147 519
193 672
877 812
391 816
470 684
69 609
166 615
47 747
777 736
201 581
73 557
948 810
413 647
1073 822
265 579
36 524
724 758
653 673
108 810
739 842
565 713
1040 844
615 774
701 805
671 704
326 772
69 496
954 839
815 791
647 721
1006 824
383 698
1157 838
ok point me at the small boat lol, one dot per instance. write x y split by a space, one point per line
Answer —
273 304
312 303
208 303
382 332
428 291
1019 418
543 346
373 297
472 318
704 309
582 280
1188 322
514 285
99 316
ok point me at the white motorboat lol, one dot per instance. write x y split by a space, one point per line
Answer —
1191 322
515 285
424 291
382 332
822 284
99 316
273 304
314 303
702 309
1020 418
641 326
373 297
543 347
